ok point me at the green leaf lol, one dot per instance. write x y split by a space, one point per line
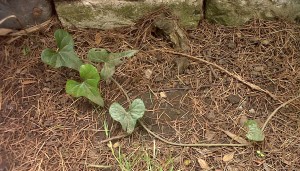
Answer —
89 87
65 55
98 55
254 132
127 119
111 60
128 54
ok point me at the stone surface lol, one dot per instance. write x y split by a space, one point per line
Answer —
237 12
28 13
108 14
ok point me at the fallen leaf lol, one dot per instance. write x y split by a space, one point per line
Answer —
243 120
239 35
187 162
265 42
163 94
203 164
209 135
28 82
228 157
117 144
148 73
98 39
236 138
5 31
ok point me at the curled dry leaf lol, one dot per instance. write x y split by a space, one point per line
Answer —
236 138
228 157
5 31
203 164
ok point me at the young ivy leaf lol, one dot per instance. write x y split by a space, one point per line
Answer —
89 87
128 119
65 55
254 132
110 60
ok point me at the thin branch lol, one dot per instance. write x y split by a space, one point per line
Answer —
277 109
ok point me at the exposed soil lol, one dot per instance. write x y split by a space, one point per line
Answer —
43 128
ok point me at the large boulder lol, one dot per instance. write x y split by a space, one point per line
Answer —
26 13
237 12
108 14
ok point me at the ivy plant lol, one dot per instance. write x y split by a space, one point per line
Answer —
65 56
254 132
128 118
110 60
89 85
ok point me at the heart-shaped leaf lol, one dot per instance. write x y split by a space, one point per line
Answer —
110 60
65 55
254 132
89 87
128 119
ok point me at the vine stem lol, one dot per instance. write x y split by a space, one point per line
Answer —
277 109
173 143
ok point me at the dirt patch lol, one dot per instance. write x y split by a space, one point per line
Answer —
43 128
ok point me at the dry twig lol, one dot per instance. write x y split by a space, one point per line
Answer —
277 109
236 76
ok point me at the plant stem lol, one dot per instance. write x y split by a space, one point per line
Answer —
124 92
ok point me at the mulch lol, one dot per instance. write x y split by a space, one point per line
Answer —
43 128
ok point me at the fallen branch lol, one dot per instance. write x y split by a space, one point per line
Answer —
173 143
277 109
236 76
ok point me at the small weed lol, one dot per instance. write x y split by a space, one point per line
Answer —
65 56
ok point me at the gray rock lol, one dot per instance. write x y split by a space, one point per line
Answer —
109 14
28 13
237 12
